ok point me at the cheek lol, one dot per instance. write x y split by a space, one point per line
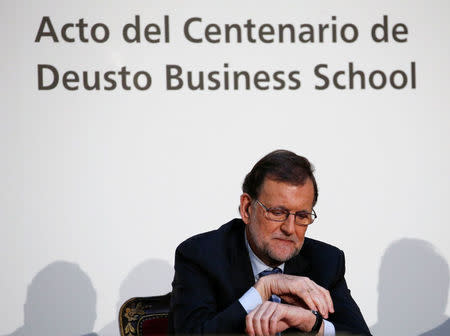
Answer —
300 233
261 226
263 232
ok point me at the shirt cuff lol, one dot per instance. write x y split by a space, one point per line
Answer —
328 328
251 299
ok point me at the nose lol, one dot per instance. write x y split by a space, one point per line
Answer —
288 226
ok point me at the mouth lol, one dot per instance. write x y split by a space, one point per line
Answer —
285 240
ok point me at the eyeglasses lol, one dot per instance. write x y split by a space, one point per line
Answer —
302 218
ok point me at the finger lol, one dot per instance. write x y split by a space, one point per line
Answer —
266 317
319 299
300 287
328 302
256 319
328 299
273 323
249 322
306 297
310 293
277 323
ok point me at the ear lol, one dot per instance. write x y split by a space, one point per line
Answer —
244 207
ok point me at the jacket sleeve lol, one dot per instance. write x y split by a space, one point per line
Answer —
195 293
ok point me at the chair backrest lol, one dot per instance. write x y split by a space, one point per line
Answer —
145 316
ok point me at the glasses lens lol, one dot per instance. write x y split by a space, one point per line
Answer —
304 218
278 215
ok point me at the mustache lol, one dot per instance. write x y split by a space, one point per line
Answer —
291 238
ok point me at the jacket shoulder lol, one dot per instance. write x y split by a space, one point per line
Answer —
212 243
311 245
320 252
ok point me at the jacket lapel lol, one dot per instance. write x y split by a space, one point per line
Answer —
298 265
241 269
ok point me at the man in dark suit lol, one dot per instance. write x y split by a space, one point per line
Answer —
259 274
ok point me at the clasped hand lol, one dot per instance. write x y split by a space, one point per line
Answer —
301 295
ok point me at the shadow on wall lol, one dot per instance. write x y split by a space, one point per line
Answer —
151 277
60 301
412 291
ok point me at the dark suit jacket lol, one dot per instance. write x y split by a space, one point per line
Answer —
213 270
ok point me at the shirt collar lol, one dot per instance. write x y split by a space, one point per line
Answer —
257 264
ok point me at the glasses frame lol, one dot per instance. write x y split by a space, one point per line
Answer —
288 213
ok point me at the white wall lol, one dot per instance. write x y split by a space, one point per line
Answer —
107 180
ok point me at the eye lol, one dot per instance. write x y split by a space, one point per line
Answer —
278 212
302 214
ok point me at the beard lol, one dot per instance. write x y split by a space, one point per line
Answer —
271 255
277 260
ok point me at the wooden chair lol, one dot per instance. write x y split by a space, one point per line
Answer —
145 316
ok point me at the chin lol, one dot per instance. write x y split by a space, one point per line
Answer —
282 257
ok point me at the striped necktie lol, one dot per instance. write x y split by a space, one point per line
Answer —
273 298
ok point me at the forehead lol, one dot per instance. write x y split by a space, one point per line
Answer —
290 196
